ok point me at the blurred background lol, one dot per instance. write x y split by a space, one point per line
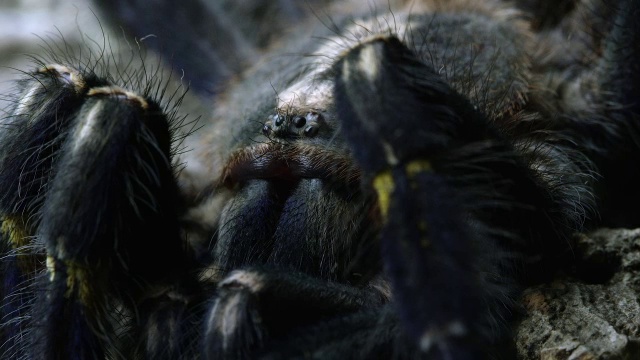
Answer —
23 25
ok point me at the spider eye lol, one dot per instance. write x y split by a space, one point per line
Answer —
299 121
279 120
266 130
311 131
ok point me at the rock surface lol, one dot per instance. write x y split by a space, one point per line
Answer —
593 313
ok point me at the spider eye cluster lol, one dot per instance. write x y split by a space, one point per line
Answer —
296 125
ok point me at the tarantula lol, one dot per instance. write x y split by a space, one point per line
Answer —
375 179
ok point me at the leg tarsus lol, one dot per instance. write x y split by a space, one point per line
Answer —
253 305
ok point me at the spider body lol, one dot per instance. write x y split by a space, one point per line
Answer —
386 195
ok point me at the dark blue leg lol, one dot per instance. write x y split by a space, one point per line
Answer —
92 187
460 203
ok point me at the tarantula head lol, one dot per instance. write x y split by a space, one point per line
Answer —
290 191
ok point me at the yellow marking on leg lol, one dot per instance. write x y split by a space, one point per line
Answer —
416 167
16 231
384 186
15 228
77 281
51 267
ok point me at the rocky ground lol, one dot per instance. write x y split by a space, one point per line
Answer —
594 313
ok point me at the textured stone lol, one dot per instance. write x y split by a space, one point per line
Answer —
591 312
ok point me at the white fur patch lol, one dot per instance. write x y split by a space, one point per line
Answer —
88 128
368 63
247 279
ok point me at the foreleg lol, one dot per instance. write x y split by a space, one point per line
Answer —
90 180
460 202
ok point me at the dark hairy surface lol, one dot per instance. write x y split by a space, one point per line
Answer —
374 179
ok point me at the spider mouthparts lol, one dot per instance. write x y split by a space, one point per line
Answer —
289 163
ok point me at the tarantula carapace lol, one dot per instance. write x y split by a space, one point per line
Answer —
375 179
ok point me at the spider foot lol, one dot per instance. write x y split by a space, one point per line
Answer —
259 306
